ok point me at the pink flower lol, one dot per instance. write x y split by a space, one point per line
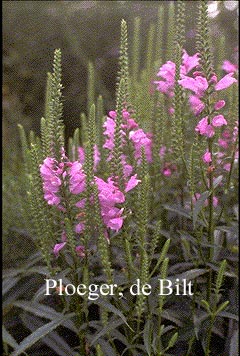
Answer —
219 105
79 228
225 82
127 168
203 128
219 121
188 62
167 72
112 114
227 167
80 250
115 224
141 139
132 183
223 143
215 202
77 178
207 157
167 172
229 67
81 155
209 132
198 84
162 151
202 125
196 104
58 247
50 173
197 196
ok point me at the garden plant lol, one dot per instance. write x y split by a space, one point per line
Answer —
134 216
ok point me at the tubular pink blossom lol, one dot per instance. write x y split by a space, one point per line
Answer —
58 247
132 183
207 157
219 121
229 67
198 84
189 62
225 82
219 105
80 251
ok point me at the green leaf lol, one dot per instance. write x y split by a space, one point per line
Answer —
113 309
222 307
199 205
147 336
206 306
234 344
113 324
9 283
172 341
229 315
39 334
8 339
53 340
43 311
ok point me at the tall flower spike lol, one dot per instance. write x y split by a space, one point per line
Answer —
54 124
123 73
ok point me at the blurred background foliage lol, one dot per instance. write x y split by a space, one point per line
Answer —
85 31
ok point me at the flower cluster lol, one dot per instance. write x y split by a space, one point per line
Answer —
66 178
129 130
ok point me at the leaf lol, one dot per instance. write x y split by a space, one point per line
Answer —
53 340
179 210
113 309
147 337
107 329
188 275
43 311
9 283
8 339
217 181
234 344
199 205
106 348
222 307
206 306
39 334
229 315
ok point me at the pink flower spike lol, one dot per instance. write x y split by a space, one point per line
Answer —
225 82
219 121
57 248
132 183
219 105
207 157
80 251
